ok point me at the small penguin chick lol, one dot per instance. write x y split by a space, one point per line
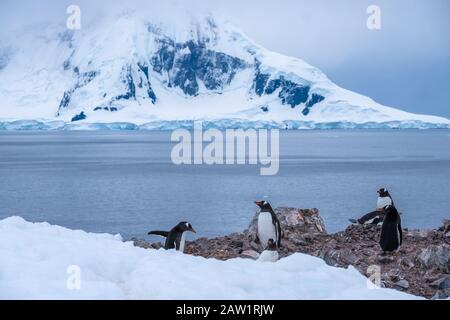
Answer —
271 245
270 254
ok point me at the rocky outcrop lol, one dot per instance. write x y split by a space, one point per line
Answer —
420 266
436 256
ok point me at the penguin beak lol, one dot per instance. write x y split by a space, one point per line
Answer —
259 203
192 230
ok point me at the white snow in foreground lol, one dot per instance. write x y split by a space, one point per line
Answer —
34 258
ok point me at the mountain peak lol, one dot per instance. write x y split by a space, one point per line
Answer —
132 66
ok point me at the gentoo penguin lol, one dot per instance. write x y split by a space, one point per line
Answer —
270 254
377 216
384 199
391 231
268 225
176 237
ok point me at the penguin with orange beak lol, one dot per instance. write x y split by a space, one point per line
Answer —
268 225
176 237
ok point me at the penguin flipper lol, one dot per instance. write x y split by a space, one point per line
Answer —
160 233
279 233
277 225
400 231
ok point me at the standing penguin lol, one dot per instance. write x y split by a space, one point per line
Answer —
268 225
270 254
391 231
176 237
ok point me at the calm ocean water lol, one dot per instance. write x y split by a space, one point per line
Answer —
125 182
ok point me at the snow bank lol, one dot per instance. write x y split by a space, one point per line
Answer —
35 258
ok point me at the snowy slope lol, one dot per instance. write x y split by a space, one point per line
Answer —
35 258
138 68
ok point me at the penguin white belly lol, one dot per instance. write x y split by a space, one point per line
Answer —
269 256
383 202
182 242
266 229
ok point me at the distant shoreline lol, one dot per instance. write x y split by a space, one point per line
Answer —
222 124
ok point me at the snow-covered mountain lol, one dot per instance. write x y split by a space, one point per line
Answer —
145 71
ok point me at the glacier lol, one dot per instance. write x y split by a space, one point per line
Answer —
133 69
223 124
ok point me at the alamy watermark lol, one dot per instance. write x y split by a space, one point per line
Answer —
374 277
74 277
374 20
73 21
229 147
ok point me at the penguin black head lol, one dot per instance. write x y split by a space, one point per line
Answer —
383 192
263 205
185 226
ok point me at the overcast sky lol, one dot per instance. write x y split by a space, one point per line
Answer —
406 64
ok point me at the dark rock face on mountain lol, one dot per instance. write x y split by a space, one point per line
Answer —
419 267
186 64
79 117
290 93
130 88
5 54
132 76
83 78
315 98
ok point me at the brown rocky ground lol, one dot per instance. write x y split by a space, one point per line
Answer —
420 267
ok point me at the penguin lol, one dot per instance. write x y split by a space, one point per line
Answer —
377 216
391 236
270 254
176 237
384 199
268 225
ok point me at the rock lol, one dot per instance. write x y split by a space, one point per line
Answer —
254 246
236 244
250 253
430 277
385 259
440 294
436 256
442 283
445 227
294 219
407 262
143 244
302 221
401 285
330 257
348 257
422 259
393 275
